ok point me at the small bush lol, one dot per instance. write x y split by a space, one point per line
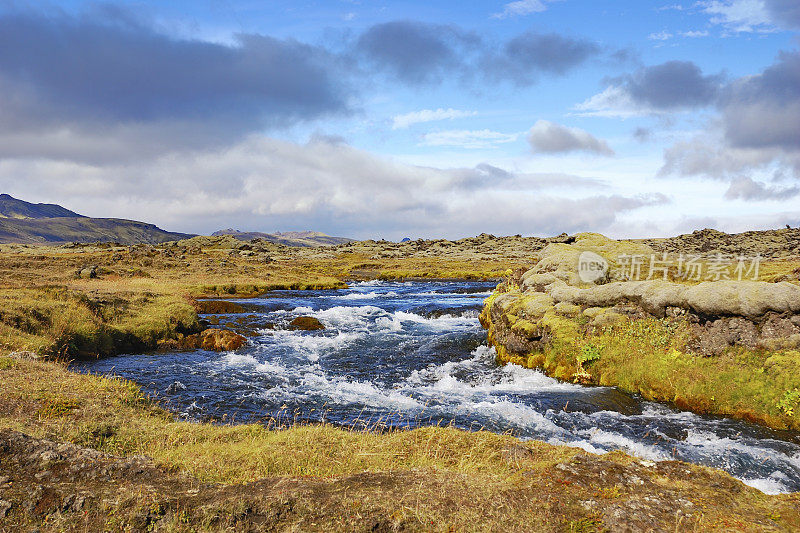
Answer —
789 402
589 353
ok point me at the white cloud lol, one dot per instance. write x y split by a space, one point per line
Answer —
663 35
428 115
613 102
747 189
468 138
522 7
693 34
738 15
268 184
708 155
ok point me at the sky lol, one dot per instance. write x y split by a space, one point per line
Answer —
391 119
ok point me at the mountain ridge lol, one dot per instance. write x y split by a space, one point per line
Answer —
23 222
14 208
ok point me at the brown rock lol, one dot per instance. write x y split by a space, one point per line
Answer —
221 340
714 337
306 323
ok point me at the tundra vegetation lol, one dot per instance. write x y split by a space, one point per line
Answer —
72 446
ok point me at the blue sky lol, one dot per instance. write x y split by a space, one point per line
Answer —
390 119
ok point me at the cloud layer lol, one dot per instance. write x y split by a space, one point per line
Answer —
271 184
110 71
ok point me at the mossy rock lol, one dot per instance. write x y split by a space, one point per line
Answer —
608 318
562 259
221 340
750 299
592 312
528 329
535 305
567 309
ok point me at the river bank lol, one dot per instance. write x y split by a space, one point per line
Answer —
717 347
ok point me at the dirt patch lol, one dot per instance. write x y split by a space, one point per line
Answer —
219 307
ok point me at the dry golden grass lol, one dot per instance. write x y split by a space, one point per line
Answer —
144 296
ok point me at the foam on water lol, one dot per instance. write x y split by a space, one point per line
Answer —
414 353
768 485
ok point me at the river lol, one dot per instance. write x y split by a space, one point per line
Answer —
401 355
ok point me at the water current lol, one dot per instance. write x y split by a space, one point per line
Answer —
401 355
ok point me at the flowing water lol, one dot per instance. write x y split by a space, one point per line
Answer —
408 354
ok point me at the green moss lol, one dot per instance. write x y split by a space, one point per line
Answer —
527 329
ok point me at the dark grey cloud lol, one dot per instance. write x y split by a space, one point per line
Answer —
764 111
784 13
419 52
745 188
551 138
672 85
416 52
653 90
525 57
108 68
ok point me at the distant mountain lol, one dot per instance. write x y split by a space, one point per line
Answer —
306 239
27 223
10 207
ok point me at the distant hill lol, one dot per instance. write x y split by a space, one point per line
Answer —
306 239
10 207
27 223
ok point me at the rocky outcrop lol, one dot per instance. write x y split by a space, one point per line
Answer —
767 243
723 313
727 347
